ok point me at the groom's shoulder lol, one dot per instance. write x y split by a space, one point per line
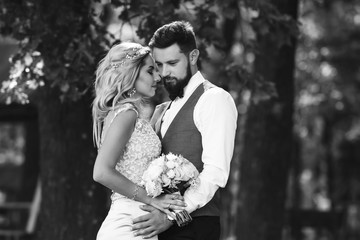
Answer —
213 90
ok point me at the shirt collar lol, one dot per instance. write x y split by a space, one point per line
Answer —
194 82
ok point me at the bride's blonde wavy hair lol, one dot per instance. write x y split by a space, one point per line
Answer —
115 78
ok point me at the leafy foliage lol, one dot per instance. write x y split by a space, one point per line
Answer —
61 50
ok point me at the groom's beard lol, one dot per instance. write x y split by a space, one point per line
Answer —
175 86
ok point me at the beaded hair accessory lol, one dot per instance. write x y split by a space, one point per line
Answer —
135 53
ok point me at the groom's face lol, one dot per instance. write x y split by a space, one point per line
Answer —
174 67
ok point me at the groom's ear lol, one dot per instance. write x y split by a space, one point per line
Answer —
194 56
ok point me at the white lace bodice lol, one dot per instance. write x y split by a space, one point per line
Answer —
143 146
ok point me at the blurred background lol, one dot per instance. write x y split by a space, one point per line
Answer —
292 67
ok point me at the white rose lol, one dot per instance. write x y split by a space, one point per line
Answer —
170 173
158 189
166 180
189 170
178 173
158 161
150 188
177 164
155 172
171 157
153 189
170 164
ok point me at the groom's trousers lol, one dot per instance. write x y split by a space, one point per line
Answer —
201 228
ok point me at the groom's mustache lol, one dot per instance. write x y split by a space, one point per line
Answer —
167 79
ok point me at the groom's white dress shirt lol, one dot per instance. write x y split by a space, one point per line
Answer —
215 116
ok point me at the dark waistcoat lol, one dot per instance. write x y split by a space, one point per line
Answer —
182 137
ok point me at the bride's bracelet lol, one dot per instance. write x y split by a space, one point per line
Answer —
136 191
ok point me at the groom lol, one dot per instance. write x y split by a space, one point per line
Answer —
200 124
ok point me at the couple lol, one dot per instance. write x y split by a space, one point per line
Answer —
199 124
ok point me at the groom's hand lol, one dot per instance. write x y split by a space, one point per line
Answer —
151 224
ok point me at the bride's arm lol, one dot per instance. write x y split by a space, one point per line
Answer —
112 148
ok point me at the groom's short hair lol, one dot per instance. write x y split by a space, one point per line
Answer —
180 32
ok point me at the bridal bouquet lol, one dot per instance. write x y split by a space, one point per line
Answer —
168 174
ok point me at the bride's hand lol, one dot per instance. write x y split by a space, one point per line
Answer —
167 202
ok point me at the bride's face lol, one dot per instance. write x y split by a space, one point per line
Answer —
146 83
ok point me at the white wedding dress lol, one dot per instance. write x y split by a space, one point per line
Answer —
144 145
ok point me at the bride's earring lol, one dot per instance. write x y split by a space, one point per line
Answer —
131 92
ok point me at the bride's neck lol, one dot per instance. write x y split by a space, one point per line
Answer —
146 110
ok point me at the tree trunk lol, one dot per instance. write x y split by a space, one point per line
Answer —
268 141
73 205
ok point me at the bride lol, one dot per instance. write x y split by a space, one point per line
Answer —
126 142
